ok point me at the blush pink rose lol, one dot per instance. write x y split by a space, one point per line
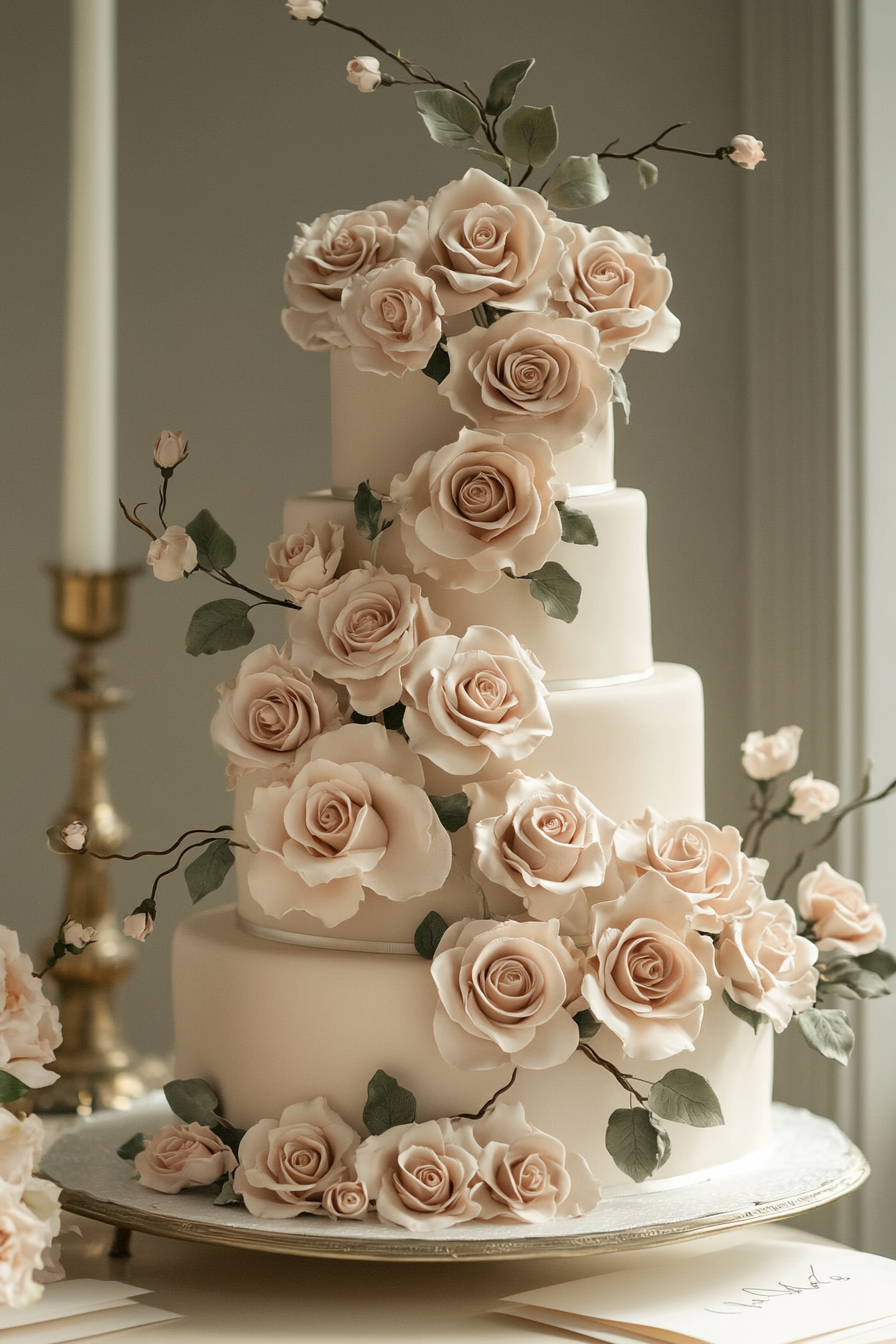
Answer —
139 925
420 1175
26 1234
287 1165
474 699
746 151
305 562
353 819
811 798
479 506
362 632
345 1199
170 449
364 72
172 555
531 372
29 1024
268 712
613 281
646 972
391 318
766 965
506 994
21 1144
840 915
178 1157
493 244
539 838
771 756
528 1176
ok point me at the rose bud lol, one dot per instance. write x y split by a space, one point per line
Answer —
67 839
768 757
305 9
812 798
170 449
746 151
172 555
138 925
77 936
364 73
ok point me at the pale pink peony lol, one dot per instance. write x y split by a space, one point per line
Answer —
391 318
765 965
364 72
768 757
170 449
178 1157
26 1233
646 970
21 1144
77 935
840 915
420 1175
746 151
172 555
812 798
353 819
474 699
345 1199
478 506
29 1023
613 281
493 244
268 712
506 994
287 1165
139 925
540 839
534 373
362 632
526 1175
305 562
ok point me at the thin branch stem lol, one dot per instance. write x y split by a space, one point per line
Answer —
491 1101
163 500
134 520
173 869
223 576
862 800
621 1078
657 144
160 853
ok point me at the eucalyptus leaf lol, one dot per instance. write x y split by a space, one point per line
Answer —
192 1099
428 935
842 975
637 1144
227 1193
219 625
450 118
452 809
207 872
686 1097
438 366
11 1088
557 591
587 1024
748 1015
881 962
388 1104
828 1031
648 174
215 549
502 90
576 182
620 393
130 1148
368 511
531 135
230 1137
577 526
491 157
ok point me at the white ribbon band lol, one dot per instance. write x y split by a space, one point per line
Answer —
580 491
324 944
594 683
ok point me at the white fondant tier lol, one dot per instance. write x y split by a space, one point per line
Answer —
269 1025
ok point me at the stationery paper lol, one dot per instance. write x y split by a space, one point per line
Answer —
783 1292
78 1309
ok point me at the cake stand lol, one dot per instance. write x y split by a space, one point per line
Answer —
808 1163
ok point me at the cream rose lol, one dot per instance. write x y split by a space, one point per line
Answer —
178 1157
345 1199
170 449
25 1235
391 318
613 281
533 372
29 1023
353 819
646 970
420 1176
812 798
305 9
364 72
138 925
768 757
840 915
766 965
305 562
268 712
526 1175
361 633
540 839
478 506
21 1144
172 555
505 994
286 1165
474 699
746 151
493 244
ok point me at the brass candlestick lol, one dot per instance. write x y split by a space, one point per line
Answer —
97 1069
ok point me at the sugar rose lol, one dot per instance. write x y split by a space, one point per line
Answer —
170 449
21 1144
474 699
539 838
421 1175
29 1023
534 372
646 970
505 994
613 281
362 631
840 915
391 318
287 1165
478 506
353 819
345 1199
364 72
746 151
301 563
25 1236
172 555
766 965
268 712
526 1175
811 798
769 757
178 1157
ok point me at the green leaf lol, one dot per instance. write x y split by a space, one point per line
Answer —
587 1024
393 717
557 591
686 1097
531 135
209 869
228 1195
192 1099
438 367
841 974
828 1031
450 118
11 1088
368 512
428 935
452 809
620 393
219 625
131 1147
636 1143
215 548
502 90
230 1137
490 157
576 182
577 526
362 718
388 1104
748 1015
648 173
881 962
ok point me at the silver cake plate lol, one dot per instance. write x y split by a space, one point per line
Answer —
808 1163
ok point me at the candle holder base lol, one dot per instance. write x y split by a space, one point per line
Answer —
90 1088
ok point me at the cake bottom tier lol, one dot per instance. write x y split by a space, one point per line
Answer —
270 1024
